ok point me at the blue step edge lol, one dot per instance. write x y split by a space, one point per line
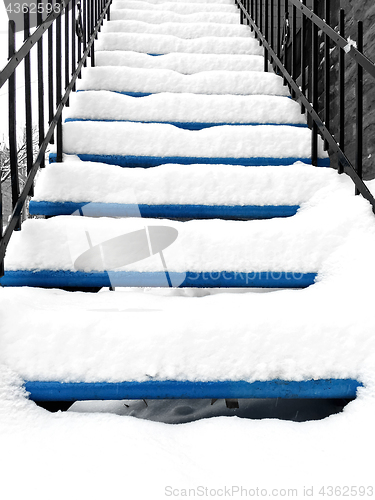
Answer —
187 125
145 94
223 279
246 212
155 161
173 389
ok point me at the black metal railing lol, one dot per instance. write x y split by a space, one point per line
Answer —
67 52
299 44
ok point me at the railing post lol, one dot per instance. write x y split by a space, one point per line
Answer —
359 102
12 124
342 90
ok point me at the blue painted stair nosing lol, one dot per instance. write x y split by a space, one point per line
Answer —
162 211
173 389
132 161
187 125
145 94
220 279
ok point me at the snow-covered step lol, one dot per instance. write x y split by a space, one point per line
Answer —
148 145
84 251
181 62
180 191
158 2
190 111
139 82
226 337
163 44
180 30
178 7
158 17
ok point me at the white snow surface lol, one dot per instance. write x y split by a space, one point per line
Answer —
178 7
162 140
164 44
196 30
79 181
198 108
101 450
165 16
302 243
323 331
227 336
182 62
121 79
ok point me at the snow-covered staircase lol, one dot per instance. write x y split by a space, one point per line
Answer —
179 122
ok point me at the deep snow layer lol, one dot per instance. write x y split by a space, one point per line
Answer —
79 181
302 243
94 450
164 16
173 334
183 63
179 7
181 30
163 44
162 140
184 108
124 79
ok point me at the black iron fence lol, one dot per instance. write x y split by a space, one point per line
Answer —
300 45
68 28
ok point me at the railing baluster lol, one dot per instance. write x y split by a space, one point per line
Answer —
272 26
12 125
50 79
314 77
327 70
40 83
279 29
84 22
252 12
359 104
303 57
73 28
256 15
29 122
342 90
294 46
58 88
66 49
266 14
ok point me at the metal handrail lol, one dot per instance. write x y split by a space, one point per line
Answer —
309 102
94 12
